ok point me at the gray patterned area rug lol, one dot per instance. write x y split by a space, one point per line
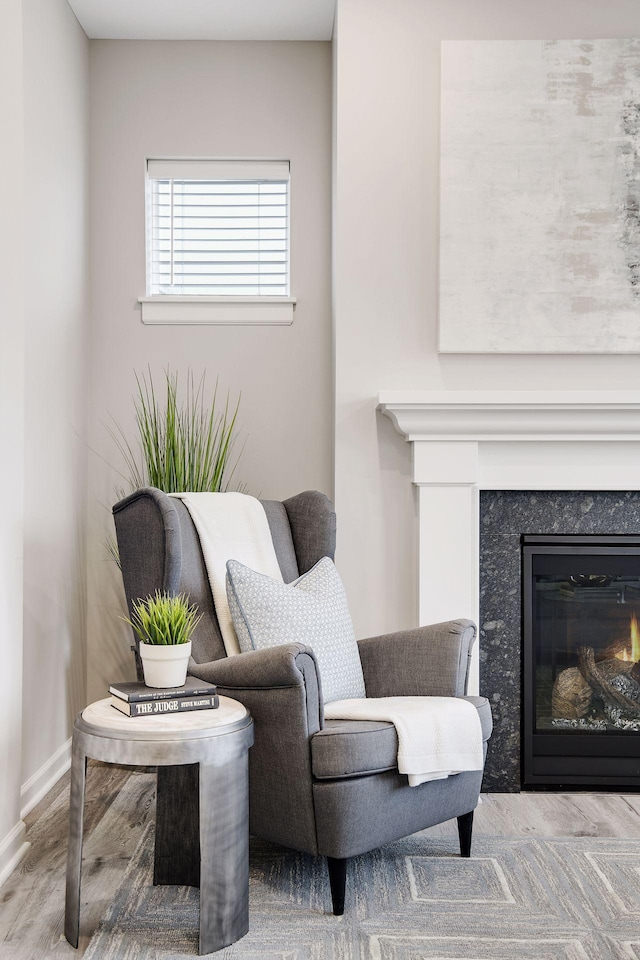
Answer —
522 899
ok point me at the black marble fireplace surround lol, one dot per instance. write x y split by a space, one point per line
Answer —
504 517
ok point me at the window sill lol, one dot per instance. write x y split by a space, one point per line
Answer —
233 311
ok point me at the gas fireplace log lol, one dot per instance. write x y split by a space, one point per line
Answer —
599 676
612 650
572 695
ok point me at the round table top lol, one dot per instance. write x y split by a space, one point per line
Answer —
103 720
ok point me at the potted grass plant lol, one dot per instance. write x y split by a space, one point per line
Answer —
164 624
185 440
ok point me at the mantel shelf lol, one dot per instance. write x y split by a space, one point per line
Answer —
514 415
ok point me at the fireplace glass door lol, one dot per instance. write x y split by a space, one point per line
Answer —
581 663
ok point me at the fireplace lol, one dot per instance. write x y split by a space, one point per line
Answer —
489 466
573 612
581 660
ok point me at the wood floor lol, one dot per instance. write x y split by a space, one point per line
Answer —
120 802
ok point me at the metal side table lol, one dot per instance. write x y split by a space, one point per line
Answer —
218 741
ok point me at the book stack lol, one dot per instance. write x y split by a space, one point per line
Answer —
138 700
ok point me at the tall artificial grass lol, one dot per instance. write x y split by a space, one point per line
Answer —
162 619
184 445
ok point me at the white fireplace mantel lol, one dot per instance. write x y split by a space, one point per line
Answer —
514 415
464 442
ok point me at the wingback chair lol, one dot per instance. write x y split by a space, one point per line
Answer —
329 788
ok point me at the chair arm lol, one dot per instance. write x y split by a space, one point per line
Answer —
429 661
292 665
281 690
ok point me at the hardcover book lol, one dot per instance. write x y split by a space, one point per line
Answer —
150 708
139 692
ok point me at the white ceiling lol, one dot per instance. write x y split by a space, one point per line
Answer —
206 19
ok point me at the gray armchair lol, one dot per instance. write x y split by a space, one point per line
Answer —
326 788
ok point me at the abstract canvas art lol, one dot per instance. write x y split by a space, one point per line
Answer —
540 197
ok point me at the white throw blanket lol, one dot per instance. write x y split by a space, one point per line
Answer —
231 526
437 736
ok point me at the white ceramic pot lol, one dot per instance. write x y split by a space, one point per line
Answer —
165 665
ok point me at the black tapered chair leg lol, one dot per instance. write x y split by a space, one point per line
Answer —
465 829
338 882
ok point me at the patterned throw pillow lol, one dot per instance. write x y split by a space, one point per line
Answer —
311 610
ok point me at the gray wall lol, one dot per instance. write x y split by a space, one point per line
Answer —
386 235
212 100
56 72
11 394
44 68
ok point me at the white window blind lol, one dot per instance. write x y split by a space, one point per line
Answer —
218 228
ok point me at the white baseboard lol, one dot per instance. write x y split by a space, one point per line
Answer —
14 846
12 850
39 784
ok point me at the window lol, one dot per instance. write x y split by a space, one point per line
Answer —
217 228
